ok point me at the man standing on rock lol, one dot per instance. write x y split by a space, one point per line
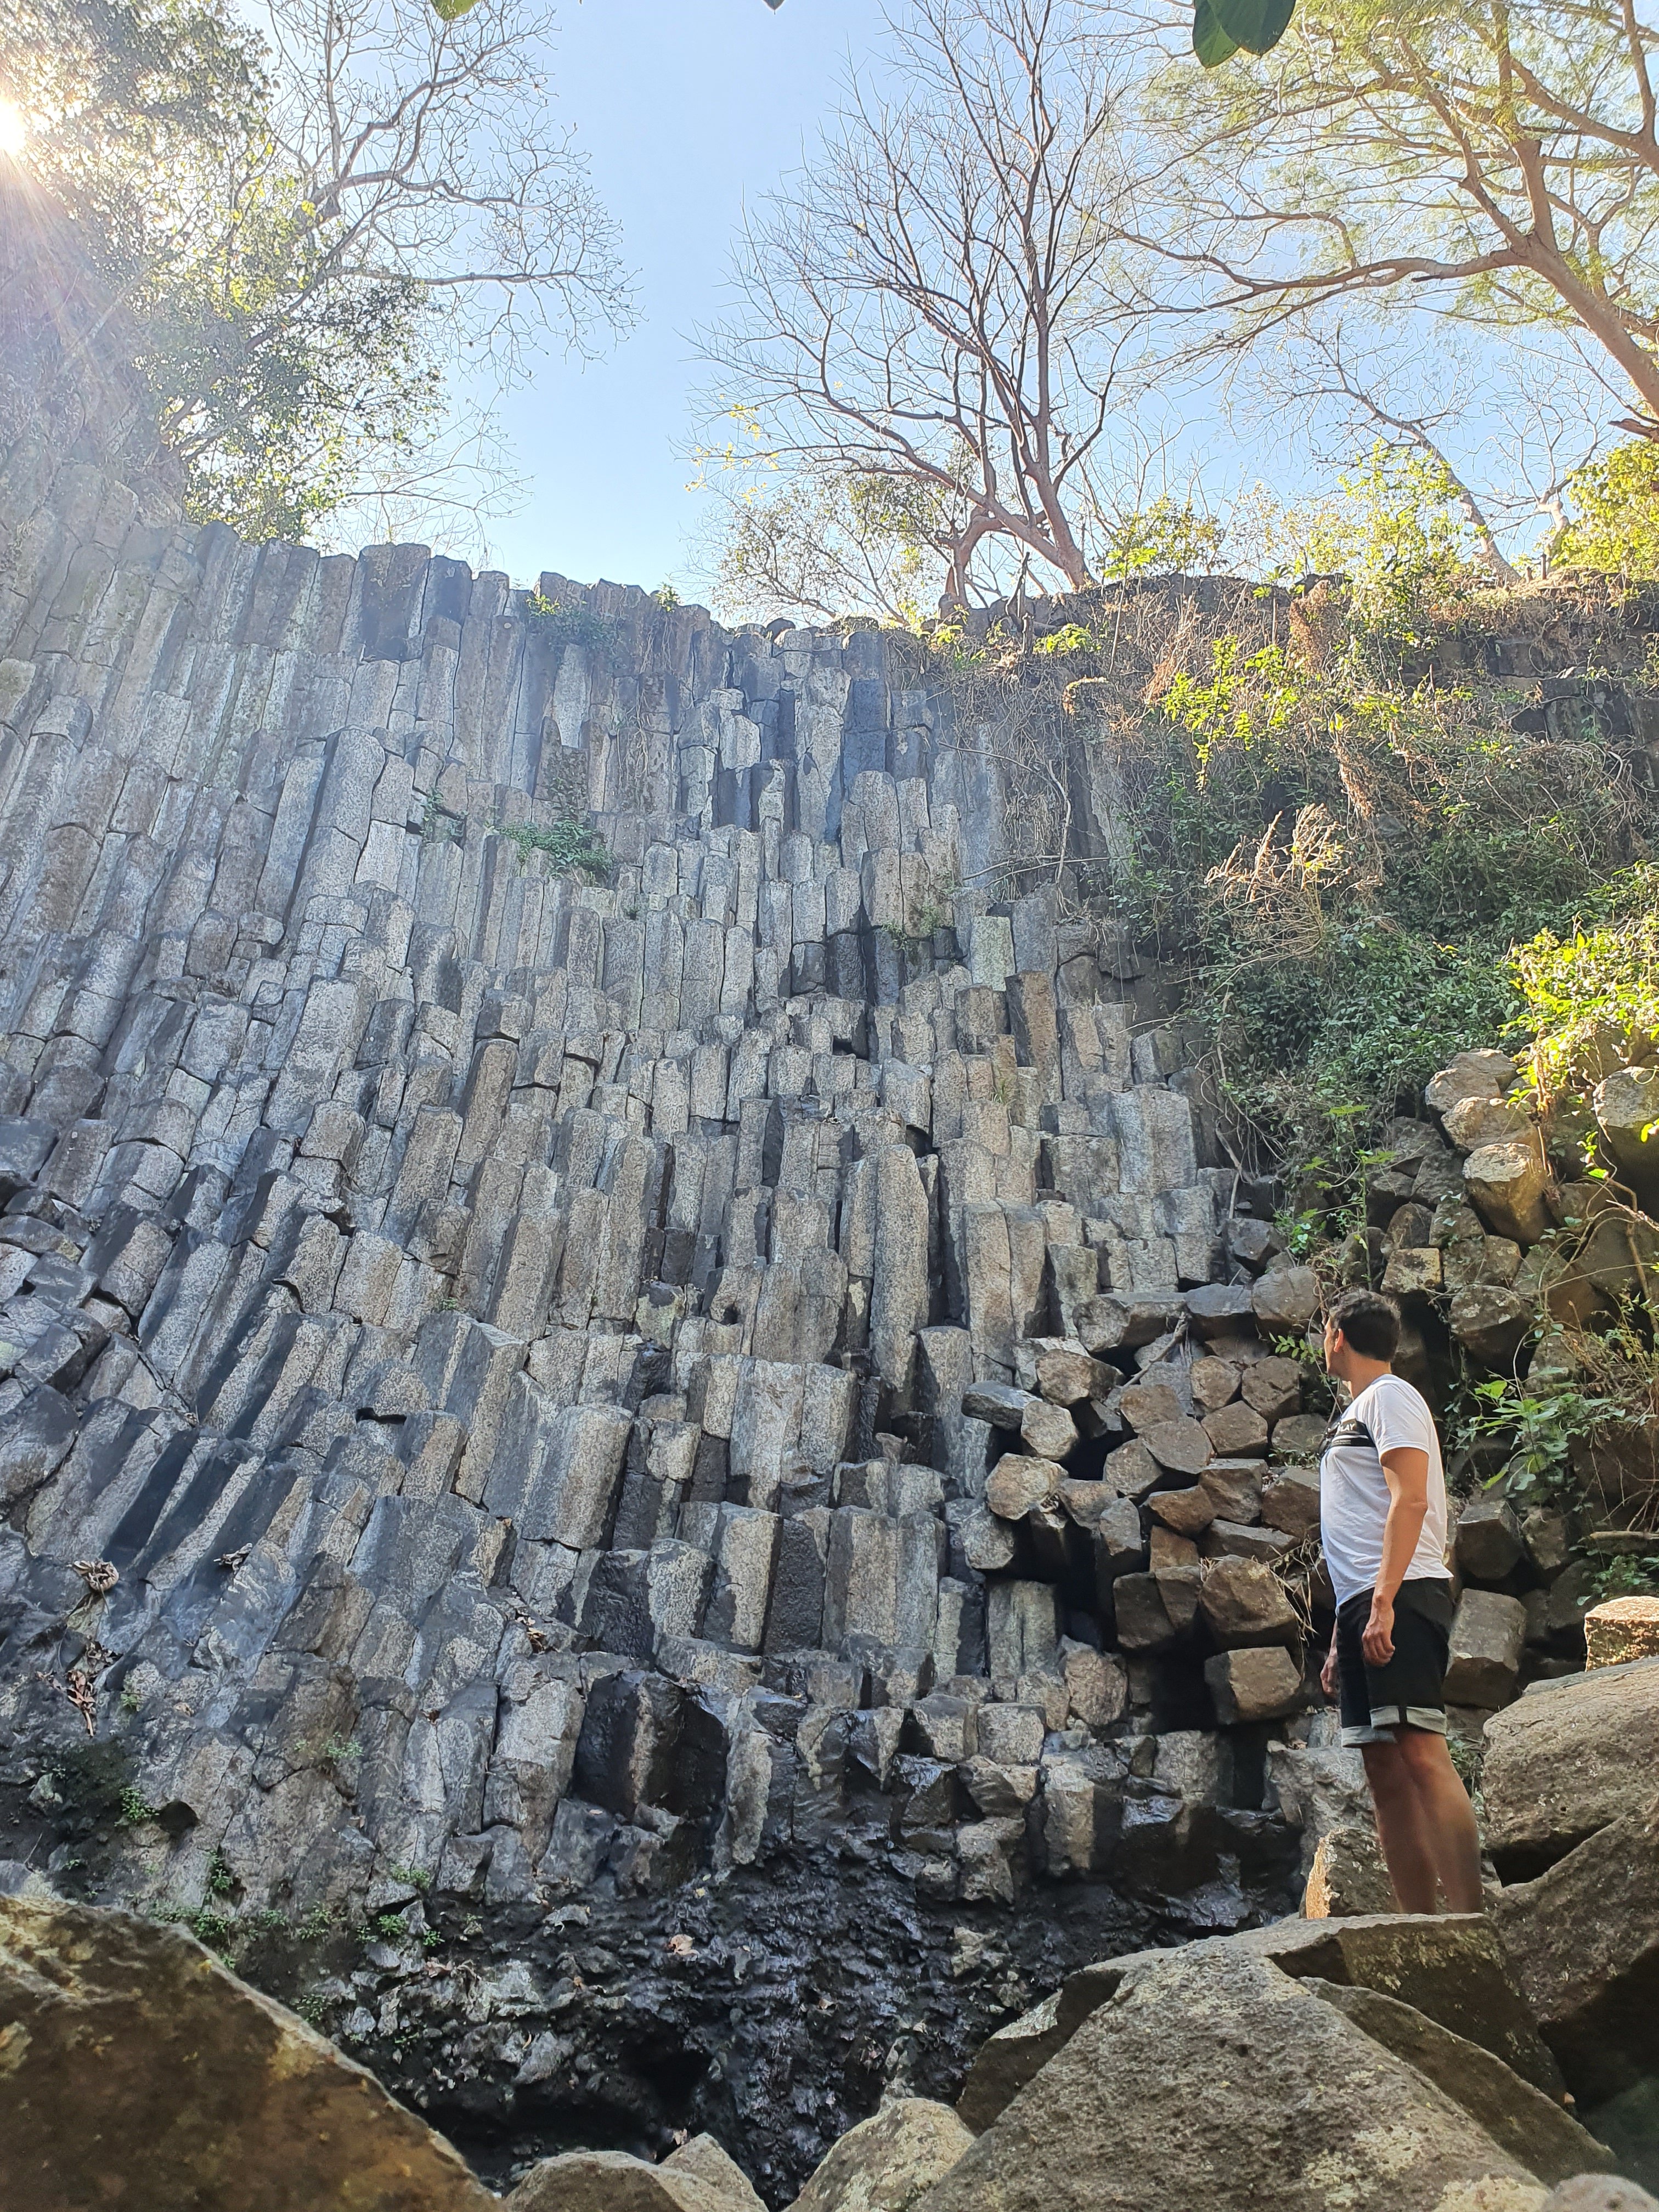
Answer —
1383 1523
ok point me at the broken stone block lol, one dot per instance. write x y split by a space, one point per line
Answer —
1188 1512
1010 1736
1179 1447
1413 1274
1489 1633
1235 1488
1219 1308
1627 1108
1018 1483
887 2162
1067 1377
1347 1877
999 1403
1285 1300
1096 1684
1470 1075
1214 1382
1130 1471
1252 1684
1273 1387
1298 1436
1048 1431
1236 1431
1238 1540
1570 1757
1506 1184
1488 1542
1621 1628
1245 1603
1156 1612
1144 1405
197 2076
1490 1322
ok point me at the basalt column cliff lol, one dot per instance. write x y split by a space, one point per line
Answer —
582 1306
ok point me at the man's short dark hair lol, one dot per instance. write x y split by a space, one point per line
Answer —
1370 1321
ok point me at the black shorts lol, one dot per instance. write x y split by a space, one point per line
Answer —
1411 1690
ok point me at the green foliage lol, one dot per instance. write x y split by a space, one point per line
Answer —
572 848
1628 1574
129 1701
1598 988
1164 539
1341 863
135 1812
1245 695
571 622
1613 525
1542 1421
824 542
1399 537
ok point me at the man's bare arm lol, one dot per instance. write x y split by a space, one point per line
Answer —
1406 1472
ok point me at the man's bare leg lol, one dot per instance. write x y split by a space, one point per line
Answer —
1448 1817
1407 1846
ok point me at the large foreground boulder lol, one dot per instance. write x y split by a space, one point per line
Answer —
889 2163
1212 2078
1450 1968
1567 1759
138 2072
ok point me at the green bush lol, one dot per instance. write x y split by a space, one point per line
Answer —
1595 991
1613 524
573 849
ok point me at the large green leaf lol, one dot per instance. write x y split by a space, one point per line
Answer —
1256 25
449 9
1210 41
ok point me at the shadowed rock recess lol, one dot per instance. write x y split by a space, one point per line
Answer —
485 1335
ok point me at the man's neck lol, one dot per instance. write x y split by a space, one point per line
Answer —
1362 1373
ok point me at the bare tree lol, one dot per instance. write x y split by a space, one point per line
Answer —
935 301
1500 154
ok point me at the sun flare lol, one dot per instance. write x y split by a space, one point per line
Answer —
14 132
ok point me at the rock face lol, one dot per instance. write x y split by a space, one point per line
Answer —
138 2070
534 1200
1212 2077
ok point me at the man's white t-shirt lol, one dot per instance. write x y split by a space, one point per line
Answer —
1388 1415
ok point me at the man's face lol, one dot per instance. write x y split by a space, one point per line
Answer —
1333 1343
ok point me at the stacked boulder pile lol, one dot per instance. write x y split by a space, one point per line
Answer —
1484 1224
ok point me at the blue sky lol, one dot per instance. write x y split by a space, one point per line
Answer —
686 109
